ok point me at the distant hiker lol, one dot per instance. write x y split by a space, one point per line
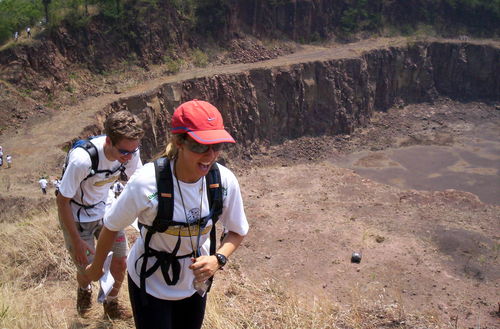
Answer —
1 153
56 183
16 36
171 264
28 31
117 188
82 197
9 160
43 185
1 162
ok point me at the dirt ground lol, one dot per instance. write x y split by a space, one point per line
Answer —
433 253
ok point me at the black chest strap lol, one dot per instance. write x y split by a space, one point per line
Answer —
164 219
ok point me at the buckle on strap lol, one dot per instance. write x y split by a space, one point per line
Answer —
165 261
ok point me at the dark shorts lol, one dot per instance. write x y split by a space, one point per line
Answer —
154 313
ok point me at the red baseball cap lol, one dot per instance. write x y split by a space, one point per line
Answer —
202 121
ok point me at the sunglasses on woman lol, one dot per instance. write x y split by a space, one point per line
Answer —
202 148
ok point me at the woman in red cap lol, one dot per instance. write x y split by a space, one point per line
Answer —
169 291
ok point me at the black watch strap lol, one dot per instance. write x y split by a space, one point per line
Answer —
221 259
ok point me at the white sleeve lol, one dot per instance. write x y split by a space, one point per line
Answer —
128 206
233 216
78 168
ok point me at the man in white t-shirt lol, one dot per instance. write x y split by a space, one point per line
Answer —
82 198
43 185
56 183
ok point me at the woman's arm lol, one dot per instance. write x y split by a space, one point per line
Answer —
104 244
205 267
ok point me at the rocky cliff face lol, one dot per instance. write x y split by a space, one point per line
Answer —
267 106
146 32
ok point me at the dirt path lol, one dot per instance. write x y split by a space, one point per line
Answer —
36 147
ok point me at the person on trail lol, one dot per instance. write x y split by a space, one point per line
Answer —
43 184
16 36
82 198
175 296
9 161
117 188
28 31
56 183
1 162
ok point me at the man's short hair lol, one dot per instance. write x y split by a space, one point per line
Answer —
123 124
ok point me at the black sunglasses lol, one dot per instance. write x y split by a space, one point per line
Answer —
202 148
125 152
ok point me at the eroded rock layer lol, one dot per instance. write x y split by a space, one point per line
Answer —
267 106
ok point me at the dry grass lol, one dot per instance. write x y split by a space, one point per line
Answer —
37 290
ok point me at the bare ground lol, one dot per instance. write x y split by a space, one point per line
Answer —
433 252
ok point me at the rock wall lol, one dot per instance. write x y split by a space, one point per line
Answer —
267 106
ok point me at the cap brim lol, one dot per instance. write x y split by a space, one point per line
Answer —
211 136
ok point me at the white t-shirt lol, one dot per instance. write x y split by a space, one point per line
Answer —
94 190
43 183
9 159
56 183
139 199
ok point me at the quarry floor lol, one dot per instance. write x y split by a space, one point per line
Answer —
400 192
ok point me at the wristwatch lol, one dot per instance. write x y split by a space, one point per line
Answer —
221 259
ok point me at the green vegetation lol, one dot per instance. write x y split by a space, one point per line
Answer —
16 15
211 17
200 59
173 66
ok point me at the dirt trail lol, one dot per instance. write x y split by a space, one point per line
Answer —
36 148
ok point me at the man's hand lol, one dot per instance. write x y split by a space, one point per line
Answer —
82 251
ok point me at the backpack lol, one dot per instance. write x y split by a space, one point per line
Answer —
163 220
88 146
91 149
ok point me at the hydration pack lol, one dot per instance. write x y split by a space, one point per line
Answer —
163 221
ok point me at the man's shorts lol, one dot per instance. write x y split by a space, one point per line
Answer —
89 234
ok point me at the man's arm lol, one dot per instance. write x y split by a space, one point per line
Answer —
68 224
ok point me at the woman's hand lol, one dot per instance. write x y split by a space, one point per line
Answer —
204 267
93 272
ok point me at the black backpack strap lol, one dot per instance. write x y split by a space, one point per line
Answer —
88 146
214 192
165 187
